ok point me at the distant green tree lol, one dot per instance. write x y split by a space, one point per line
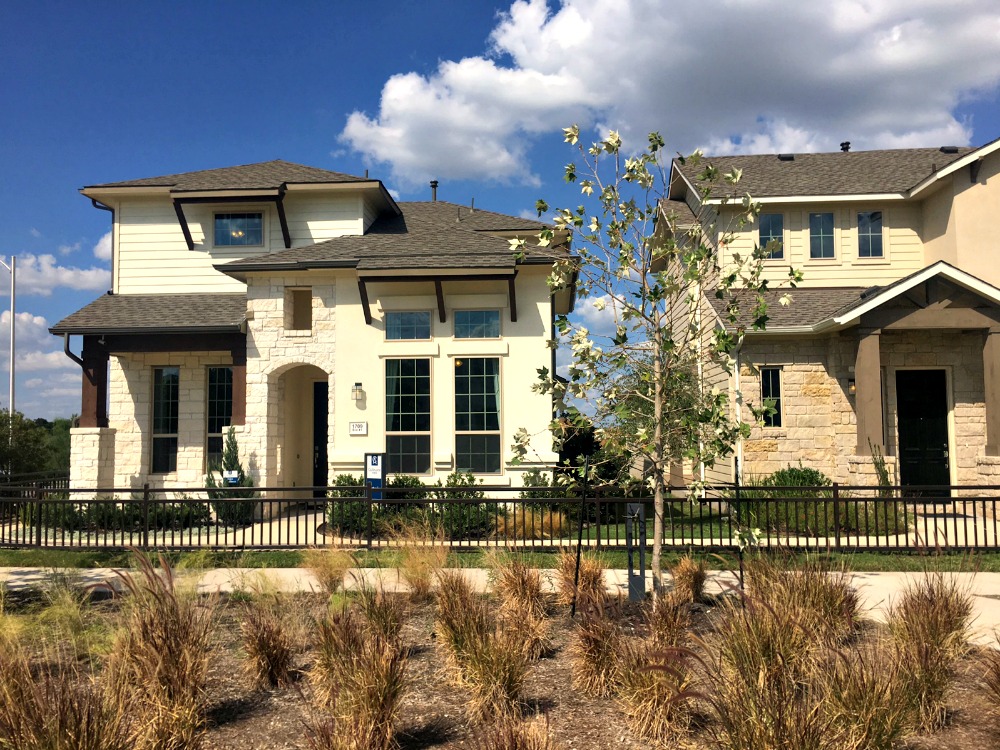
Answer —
24 445
59 444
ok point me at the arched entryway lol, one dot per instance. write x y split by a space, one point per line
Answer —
303 408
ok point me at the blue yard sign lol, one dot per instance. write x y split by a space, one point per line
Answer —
374 473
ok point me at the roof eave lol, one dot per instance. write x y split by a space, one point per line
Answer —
136 330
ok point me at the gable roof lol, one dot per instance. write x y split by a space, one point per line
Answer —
817 309
834 174
265 175
164 313
427 235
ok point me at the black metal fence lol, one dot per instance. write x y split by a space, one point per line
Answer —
829 518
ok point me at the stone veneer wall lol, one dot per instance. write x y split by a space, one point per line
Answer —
93 457
819 426
271 351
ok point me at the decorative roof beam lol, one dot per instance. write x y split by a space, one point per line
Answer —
439 291
278 201
182 220
513 299
363 290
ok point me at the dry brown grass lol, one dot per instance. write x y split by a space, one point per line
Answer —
496 666
592 591
667 621
511 733
689 578
648 682
329 565
422 554
991 675
930 625
462 620
518 589
533 523
596 642
268 644
161 656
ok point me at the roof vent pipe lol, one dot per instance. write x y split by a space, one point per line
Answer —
434 190
472 206
786 157
845 146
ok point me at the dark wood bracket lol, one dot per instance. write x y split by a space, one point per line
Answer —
439 291
974 170
278 201
363 291
182 220
513 299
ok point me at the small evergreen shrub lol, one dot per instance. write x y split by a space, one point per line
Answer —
345 512
231 508
462 520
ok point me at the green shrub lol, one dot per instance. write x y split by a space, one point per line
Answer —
231 508
345 512
538 478
53 513
108 515
462 520
406 487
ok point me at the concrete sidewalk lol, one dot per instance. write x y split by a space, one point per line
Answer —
876 590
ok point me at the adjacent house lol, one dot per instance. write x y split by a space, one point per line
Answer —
319 317
892 342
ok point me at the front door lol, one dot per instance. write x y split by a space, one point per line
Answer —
320 412
922 411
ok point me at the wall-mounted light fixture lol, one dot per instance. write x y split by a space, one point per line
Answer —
852 387
357 392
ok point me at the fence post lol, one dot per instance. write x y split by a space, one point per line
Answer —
145 516
39 504
836 515
369 501
597 497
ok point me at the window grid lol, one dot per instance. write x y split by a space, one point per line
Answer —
165 418
772 227
477 415
477 324
770 394
239 230
869 234
408 416
219 412
408 326
821 236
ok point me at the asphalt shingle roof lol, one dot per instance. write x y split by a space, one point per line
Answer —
164 313
838 173
262 175
809 306
429 235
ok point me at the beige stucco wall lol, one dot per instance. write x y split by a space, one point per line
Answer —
819 426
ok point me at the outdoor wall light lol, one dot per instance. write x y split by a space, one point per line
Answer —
852 387
357 392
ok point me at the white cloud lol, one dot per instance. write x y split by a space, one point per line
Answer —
68 249
35 233
41 274
771 75
103 247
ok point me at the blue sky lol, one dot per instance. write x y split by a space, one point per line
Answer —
472 94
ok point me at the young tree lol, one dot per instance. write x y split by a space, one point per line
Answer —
646 386
24 445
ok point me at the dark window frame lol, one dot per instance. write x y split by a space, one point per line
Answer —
770 391
165 420
218 412
459 328
406 327
226 236
476 424
408 431
871 238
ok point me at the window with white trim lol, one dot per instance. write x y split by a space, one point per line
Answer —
870 234
477 324
408 416
770 395
772 229
821 236
163 458
408 326
477 415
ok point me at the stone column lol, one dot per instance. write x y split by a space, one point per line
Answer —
991 381
868 400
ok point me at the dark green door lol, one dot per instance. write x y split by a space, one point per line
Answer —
922 411
320 412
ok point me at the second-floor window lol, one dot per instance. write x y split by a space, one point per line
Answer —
165 417
821 236
407 326
772 227
219 413
869 234
239 230
477 324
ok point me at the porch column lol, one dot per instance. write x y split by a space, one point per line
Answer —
94 402
868 400
991 378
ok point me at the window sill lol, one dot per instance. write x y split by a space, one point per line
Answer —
294 333
410 349
478 347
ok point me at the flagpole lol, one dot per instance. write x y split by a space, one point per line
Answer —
13 273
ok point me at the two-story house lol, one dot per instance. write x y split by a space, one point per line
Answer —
319 317
892 341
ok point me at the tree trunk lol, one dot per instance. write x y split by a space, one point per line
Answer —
657 463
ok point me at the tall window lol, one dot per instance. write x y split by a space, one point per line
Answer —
821 235
239 230
165 391
477 324
477 415
772 228
770 394
407 326
869 234
219 411
408 415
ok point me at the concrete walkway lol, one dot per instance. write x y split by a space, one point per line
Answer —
876 591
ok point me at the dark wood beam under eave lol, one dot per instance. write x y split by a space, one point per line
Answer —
279 204
365 306
278 201
513 299
182 220
439 291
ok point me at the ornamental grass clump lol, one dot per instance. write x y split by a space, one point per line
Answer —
650 685
161 656
512 733
689 578
462 620
329 565
590 591
593 650
268 644
522 605
422 553
930 625
991 675
668 620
